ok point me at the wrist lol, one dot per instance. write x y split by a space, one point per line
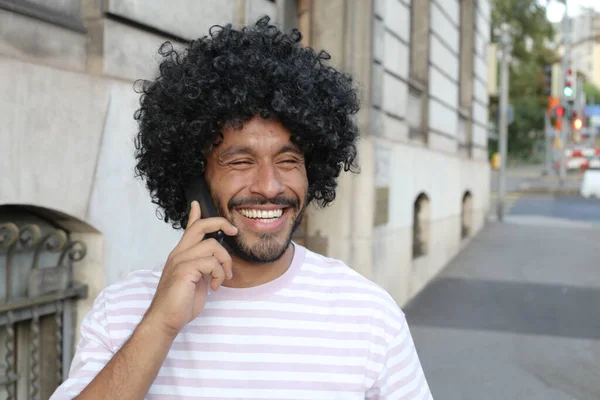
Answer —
156 330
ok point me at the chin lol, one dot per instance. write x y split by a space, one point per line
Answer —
262 249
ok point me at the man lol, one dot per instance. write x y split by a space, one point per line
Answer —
270 127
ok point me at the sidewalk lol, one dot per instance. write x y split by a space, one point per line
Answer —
515 316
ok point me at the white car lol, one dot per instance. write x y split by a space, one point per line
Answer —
590 185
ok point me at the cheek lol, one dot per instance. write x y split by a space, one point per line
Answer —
298 182
227 188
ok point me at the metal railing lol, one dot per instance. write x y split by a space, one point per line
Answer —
36 321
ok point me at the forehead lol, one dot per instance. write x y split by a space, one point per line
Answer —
257 133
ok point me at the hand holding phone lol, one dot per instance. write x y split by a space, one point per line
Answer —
191 268
198 190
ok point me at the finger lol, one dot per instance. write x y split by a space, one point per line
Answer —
199 228
208 267
195 213
206 248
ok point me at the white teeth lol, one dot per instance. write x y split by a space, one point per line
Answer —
263 215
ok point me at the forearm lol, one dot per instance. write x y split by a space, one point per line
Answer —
131 371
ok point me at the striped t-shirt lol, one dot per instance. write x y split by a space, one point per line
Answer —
320 331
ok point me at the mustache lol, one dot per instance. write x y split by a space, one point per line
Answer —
259 201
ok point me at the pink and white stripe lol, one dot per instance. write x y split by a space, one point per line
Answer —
320 331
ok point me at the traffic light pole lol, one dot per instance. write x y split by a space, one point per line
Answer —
548 144
505 41
565 122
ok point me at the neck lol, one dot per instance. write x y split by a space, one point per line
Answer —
248 274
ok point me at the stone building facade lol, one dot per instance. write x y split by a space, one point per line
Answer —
66 136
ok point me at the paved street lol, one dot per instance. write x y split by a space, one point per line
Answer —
517 314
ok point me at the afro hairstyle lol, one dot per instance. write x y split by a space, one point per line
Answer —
228 77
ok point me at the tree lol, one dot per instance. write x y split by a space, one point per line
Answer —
592 93
531 33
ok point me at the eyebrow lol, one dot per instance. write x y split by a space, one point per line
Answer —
246 150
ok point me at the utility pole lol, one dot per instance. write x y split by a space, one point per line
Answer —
505 41
566 60
548 144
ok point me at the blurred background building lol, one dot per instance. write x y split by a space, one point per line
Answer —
68 68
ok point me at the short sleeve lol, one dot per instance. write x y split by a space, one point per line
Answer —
93 352
401 376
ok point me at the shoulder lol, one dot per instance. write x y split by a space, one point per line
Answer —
350 284
128 298
137 285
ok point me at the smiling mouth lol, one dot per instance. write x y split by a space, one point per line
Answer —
264 216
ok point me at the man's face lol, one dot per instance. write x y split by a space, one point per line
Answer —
258 182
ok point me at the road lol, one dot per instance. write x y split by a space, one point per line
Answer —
517 314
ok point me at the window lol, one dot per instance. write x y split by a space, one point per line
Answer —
466 215
419 68
420 226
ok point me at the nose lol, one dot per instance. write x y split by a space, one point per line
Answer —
266 182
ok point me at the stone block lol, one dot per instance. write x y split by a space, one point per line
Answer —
395 55
444 58
395 93
395 129
377 85
442 87
480 154
451 8
378 39
377 122
442 143
379 7
481 44
129 53
255 9
444 28
188 19
40 42
397 18
71 8
481 68
480 113
482 25
480 91
442 118
52 125
484 8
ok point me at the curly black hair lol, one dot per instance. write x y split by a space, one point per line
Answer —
228 77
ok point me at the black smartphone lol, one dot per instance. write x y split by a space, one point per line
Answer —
198 190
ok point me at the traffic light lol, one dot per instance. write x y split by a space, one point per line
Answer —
569 88
560 111
548 80
577 123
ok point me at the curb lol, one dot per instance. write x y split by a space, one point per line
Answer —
552 191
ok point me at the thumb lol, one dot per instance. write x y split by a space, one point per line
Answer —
194 213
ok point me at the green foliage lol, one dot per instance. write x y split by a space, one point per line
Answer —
592 93
527 19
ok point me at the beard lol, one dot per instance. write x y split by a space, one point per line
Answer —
269 247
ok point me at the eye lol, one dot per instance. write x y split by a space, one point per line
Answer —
240 163
290 161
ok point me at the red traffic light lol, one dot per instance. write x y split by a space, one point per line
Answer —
560 112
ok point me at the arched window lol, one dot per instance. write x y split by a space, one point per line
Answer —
421 225
466 215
